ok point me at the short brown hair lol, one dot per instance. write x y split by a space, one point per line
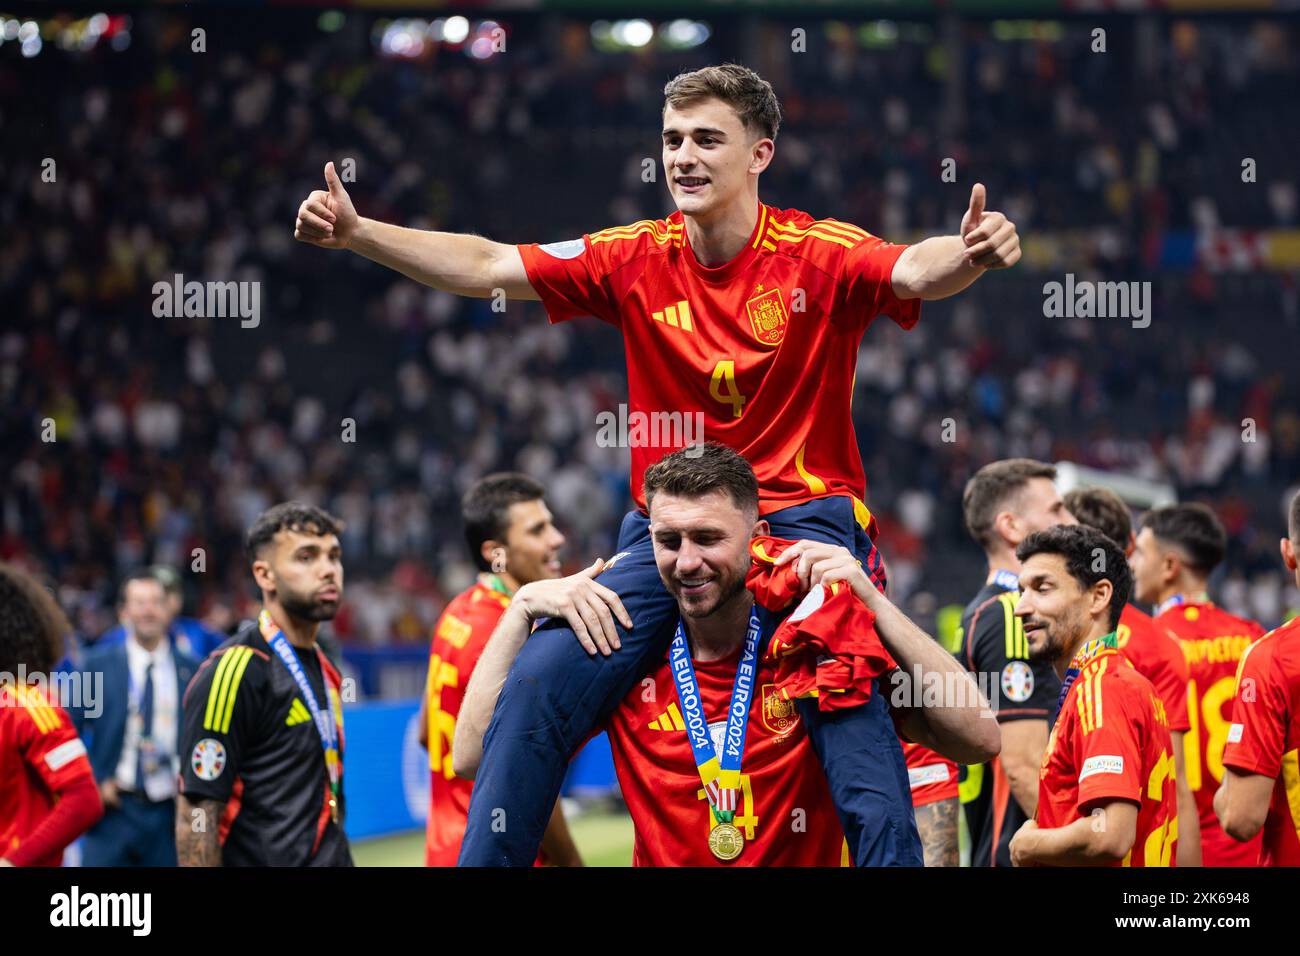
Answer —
1102 509
991 486
701 470
32 625
751 96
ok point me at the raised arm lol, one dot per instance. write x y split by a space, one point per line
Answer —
945 265
589 608
484 688
961 727
462 264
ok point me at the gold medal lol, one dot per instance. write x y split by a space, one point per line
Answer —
334 810
725 842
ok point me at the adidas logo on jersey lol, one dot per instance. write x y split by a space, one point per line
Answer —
670 719
677 315
297 714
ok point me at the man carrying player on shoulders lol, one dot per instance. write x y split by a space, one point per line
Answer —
705 710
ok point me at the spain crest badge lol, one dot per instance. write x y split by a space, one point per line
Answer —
767 316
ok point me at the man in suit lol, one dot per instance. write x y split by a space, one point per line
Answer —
133 741
188 634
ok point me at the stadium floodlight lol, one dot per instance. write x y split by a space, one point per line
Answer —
1136 492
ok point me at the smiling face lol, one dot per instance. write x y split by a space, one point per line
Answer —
1056 610
145 611
701 547
303 572
709 156
532 542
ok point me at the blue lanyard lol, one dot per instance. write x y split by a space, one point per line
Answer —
720 774
1178 599
324 724
1006 580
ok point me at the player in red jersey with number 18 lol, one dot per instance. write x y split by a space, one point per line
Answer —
1106 794
48 795
1260 791
744 314
1177 549
513 541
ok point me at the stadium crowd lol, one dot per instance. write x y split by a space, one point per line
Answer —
132 439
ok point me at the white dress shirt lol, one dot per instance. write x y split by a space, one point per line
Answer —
161 784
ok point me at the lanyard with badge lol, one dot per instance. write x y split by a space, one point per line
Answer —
150 762
1006 580
720 773
329 733
1177 599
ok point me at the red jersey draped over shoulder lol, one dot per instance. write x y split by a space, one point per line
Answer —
761 350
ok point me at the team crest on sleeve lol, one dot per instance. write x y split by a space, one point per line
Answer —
767 316
208 759
1017 681
568 249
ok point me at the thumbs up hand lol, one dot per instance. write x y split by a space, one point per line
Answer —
990 237
327 219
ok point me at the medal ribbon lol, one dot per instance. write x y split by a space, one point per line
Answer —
1086 653
1177 599
325 726
720 773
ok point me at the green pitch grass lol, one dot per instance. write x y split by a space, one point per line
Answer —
603 839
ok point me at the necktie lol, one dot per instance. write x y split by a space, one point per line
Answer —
146 727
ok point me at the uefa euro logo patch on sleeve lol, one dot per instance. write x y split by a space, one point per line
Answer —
1017 681
767 316
568 249
208 759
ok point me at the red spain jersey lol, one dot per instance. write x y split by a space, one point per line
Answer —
932 777
785 815
1264 737
458 639
1158 656
1213 642
40 755
763 347
1111 742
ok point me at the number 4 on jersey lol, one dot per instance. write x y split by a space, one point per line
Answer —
722 387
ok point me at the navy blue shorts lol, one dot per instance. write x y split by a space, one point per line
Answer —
556 693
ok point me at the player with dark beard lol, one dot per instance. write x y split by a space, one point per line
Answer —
262 737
